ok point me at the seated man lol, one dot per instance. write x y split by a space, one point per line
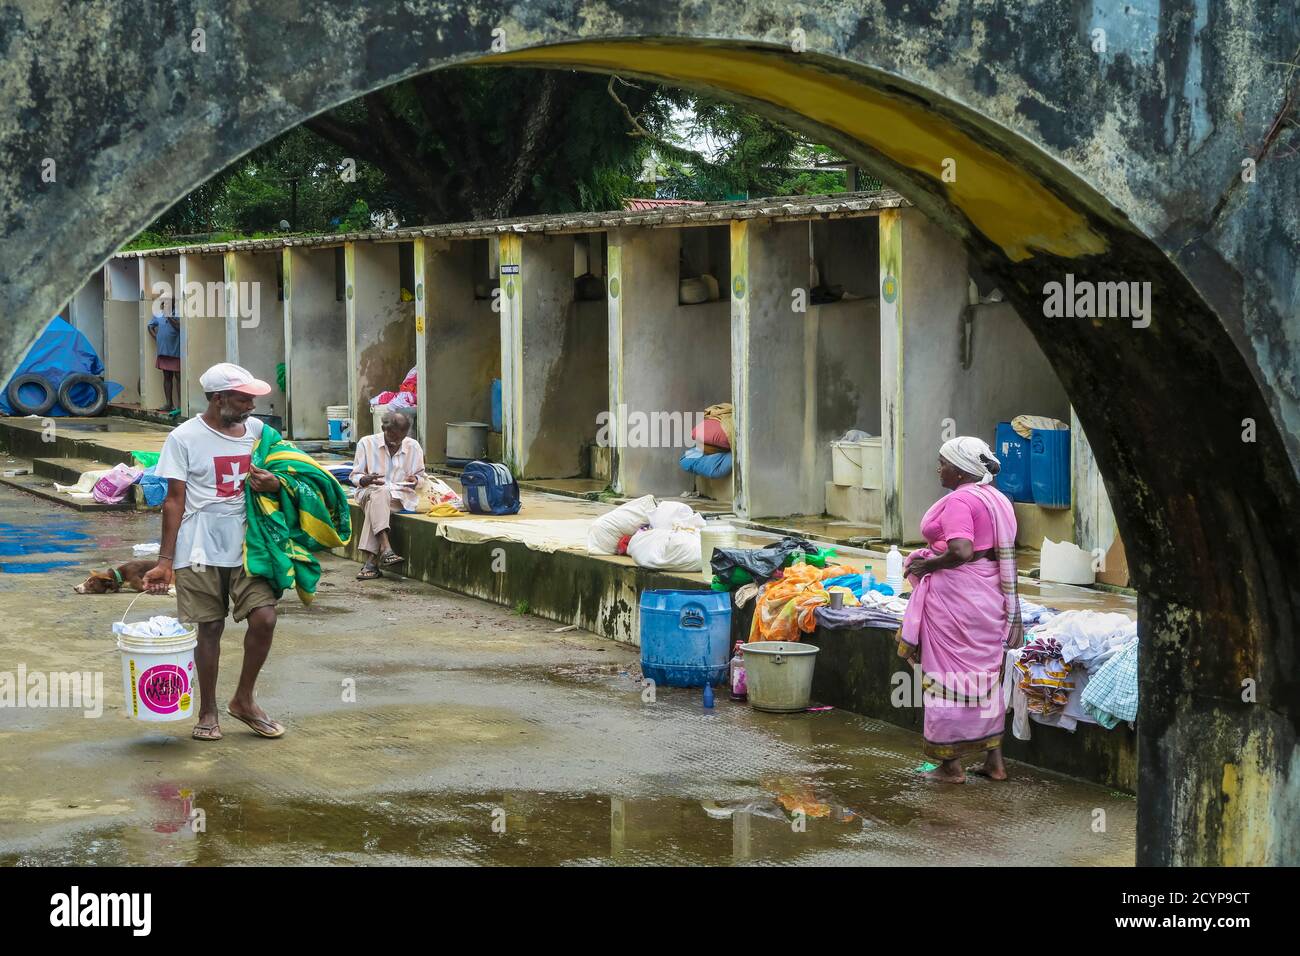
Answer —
385 471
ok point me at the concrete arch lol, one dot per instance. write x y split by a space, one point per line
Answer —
1114 163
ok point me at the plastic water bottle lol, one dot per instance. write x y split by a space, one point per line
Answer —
894 568
708 696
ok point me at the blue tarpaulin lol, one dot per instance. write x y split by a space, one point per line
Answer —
58 352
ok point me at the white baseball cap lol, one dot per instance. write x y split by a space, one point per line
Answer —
229 377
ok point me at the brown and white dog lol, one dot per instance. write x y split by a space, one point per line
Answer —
128 577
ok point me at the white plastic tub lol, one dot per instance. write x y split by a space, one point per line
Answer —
715 536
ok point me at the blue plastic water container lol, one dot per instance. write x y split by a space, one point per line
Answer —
1013 452
336 429
684 637
1049 467
496 404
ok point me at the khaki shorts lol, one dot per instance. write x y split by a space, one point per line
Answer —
204 596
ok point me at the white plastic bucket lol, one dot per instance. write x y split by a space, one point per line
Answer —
872 472
715 536
158 675
778 675
846 463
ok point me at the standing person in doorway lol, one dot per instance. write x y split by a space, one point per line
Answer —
206 462
165 328
387 467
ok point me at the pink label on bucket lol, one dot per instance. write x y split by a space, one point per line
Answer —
162 688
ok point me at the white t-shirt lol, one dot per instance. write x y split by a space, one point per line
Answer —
213 467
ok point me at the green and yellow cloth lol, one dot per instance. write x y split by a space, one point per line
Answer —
309 513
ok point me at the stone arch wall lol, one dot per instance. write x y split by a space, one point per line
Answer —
1109 162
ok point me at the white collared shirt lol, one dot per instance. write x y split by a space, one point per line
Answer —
373 458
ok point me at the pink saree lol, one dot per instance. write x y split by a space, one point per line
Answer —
960 619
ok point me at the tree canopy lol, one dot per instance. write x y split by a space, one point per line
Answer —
482 143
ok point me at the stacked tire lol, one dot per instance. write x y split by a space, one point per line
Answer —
63 395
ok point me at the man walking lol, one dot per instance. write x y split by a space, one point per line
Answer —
206 462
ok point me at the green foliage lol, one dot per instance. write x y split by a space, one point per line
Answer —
479 143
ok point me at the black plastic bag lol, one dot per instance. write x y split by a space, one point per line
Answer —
759 563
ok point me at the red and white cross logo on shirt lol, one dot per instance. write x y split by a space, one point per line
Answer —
230 472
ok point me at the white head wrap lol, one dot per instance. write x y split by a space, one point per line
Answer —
965 453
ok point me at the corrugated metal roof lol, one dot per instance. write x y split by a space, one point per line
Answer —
834 206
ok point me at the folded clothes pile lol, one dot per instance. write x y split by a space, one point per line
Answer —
1044 676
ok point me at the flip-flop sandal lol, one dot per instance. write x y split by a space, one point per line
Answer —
981 772
369 574
253 725
206 732
389 558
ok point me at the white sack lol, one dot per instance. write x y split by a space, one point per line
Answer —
608 530
664 549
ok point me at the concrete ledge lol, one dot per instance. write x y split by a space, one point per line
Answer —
598 593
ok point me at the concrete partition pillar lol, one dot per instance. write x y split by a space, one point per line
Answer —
315 340
923 290
457 342
255 334
1094 521
381 327
122 327
203 324
554 358
161 281
773 368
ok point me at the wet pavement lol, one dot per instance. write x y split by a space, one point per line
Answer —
477 736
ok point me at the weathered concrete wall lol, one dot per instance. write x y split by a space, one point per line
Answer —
86 310
163 274
673 359
1094 519
122 328
316 340
381 327
847 372
458 342
203 324
776 455
557 353
1119 163
255 318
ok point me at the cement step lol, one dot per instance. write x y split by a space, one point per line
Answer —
66 471
43 487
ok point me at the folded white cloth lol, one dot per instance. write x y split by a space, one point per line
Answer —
141 550
160 625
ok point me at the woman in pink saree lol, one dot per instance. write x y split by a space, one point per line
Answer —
964 612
